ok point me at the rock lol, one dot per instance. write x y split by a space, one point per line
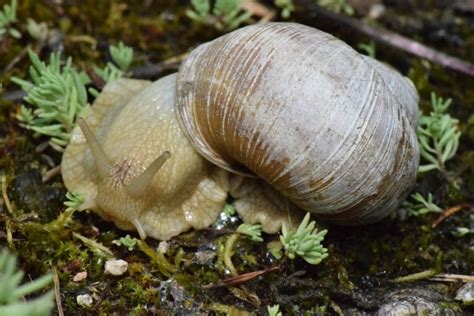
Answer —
414 301
84 300
465 294
163 247
116 267
80 276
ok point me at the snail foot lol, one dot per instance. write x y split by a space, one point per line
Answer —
257 202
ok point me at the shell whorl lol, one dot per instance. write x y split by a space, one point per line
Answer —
330 129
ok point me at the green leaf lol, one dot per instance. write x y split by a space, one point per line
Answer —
12 294
304 242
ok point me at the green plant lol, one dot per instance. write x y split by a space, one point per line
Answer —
254 232
420 206
73 200
274 310
7 17
12 293
225 14
109 73
38 31
286 7
368 48
122 57
304 242
438 135
57 95
337 6
127 241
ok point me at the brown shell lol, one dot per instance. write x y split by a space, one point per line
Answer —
329 128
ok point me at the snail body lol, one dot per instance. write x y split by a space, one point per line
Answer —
134 124
329 130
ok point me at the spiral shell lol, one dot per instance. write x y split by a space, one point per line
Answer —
330 129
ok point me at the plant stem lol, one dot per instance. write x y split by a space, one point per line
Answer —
228 252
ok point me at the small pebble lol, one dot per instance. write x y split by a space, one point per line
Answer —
163 247
466 294
116 267
80 276
205 257
84 300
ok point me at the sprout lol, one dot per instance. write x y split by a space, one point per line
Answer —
225 14
286 7
12 293
337 6
58 96
73 200
126 241
122 56
7 17
305 242
438 135
421 206
252 231
274 310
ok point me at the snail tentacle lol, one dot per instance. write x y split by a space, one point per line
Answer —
138 186
140 229
101 160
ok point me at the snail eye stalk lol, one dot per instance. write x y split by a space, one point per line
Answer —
138 185
101 160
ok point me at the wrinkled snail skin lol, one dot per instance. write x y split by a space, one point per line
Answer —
134 123
328 128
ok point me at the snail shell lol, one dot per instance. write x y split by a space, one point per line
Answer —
330 129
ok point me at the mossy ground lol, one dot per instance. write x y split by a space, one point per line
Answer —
362 261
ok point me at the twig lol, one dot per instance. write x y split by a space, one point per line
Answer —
228 252
15 60
153 70
51 173
448 277
257 9
392 39
242 278
8 204
84 39
415 276
450 211
57 292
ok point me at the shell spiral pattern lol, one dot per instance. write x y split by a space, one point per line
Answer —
329 128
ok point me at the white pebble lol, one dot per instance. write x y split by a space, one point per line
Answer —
80 276
466 293
84 300
116 267
163 247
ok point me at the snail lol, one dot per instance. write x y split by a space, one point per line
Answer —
282 116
